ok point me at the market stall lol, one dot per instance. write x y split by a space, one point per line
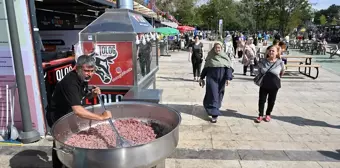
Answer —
60 24
45 30
54 28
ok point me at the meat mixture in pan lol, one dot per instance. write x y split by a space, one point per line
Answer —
103 137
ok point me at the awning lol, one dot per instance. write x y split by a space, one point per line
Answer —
170 24
144 10
140 8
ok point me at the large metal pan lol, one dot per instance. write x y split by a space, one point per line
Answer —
165 120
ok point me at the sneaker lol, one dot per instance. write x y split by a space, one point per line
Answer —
258 119
213 120
268 118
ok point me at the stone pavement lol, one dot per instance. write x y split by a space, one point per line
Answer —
304 132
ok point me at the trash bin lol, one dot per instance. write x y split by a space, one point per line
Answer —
182 44
162 47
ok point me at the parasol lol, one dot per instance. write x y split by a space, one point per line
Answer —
167 31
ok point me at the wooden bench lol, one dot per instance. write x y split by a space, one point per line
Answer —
308 58
309 67
296 61
297 56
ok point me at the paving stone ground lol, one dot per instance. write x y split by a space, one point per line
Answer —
304 132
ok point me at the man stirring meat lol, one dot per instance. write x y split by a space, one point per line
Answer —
69 94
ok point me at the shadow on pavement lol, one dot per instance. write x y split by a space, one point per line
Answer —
198 111
299 121
334 155
30 159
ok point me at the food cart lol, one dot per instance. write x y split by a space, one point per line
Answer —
124 45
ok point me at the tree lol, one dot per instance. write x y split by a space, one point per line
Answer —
331 12
323 20
244 15
334 21
184 10
291 13
214 10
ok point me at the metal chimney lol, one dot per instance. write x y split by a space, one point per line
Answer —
125 4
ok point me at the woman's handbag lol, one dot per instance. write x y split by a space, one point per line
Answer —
258 80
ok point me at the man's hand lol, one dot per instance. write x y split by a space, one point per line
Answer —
106 115
227 83
96 91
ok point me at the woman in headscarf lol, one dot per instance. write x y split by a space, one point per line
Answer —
249 57
218 73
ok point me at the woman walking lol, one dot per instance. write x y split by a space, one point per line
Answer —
248 59
196 53
240 46
273 68
218 73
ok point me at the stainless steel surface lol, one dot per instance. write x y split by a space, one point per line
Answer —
125 4
122 25
121 141
147 95
141 156
119 21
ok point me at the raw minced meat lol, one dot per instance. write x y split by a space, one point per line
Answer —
103 136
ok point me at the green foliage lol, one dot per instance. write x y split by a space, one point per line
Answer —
332 12
246 15
323 20
334 21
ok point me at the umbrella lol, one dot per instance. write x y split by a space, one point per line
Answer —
303 30
167 31
185 28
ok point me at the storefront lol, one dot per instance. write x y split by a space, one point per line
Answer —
48 31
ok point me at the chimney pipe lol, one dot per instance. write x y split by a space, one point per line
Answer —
125 4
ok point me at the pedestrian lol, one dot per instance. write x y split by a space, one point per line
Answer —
273 68
240 47
196 57
69 94
218 73
248 59
283 51
144 54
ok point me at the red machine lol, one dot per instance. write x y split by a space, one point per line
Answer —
123 61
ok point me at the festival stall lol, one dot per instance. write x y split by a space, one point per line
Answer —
54 27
